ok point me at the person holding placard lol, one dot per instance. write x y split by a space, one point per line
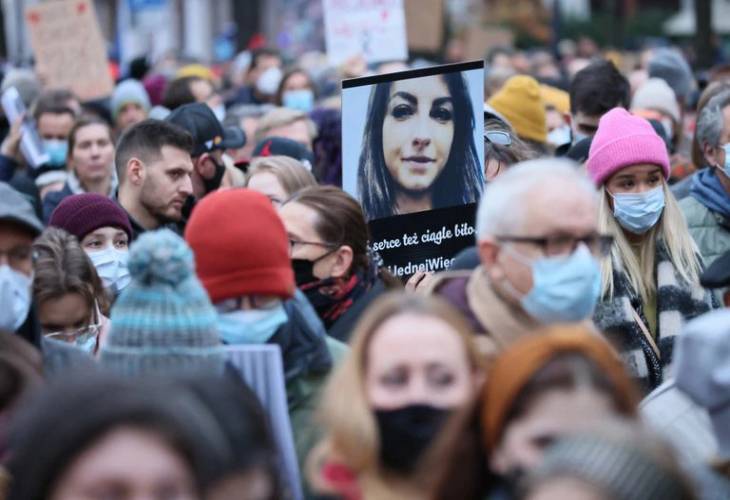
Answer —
418 151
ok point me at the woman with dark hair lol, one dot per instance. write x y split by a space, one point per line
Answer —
70 298
296 91
418 149
328 245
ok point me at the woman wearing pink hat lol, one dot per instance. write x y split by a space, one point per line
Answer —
650 285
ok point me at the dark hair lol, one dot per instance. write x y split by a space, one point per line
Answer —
178 92
598 88
61 266
54 101
86 121
461 181
257 54
145 141
288 74
340 221
52 109
81 410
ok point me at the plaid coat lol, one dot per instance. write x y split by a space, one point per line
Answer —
676 302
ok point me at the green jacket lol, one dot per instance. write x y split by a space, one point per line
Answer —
303 394
710 230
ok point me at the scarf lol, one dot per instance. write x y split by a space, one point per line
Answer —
333 297
676 302
707 189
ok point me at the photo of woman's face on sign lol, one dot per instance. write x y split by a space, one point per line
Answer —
414 145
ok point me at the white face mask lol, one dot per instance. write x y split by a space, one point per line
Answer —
269 80
14 298
111 266
559 136
220 112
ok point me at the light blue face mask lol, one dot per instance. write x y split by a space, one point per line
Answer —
638 212
57 151
565 289
253 326
301 100
87 345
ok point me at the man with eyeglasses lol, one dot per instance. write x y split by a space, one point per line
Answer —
540 251
19 226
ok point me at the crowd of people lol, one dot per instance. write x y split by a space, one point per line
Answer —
191 308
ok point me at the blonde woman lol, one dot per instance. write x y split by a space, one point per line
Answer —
412 363
650 285
278 177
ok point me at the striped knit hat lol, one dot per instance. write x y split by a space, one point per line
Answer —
163 322
632 466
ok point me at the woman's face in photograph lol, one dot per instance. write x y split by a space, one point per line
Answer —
418 131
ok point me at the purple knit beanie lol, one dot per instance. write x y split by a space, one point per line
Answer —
81 214
623 140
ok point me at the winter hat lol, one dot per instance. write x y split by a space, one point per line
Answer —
155 85
555 98
126 92
631 465
240 246
519 100
669 65
163 322
514 368
623 140
656 94
81 214
702 370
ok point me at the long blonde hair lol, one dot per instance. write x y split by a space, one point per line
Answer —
671 229
351 432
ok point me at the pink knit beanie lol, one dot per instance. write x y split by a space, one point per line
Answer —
623 140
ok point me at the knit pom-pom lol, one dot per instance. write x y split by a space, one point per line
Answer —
160 257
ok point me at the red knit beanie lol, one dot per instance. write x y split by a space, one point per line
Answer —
80 214
240 246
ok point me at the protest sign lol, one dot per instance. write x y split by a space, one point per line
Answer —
413 155
69 48
425 24
375 29
480 39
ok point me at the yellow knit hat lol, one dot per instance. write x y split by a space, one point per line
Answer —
556 98
519 101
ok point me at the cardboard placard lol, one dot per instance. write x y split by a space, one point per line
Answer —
479 39
374 29
413 155
425 24
69 48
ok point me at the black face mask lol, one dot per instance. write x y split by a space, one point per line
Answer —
405 433
214 183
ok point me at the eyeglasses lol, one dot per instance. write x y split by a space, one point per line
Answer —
598 244
79 335
292 243
498 137
248 302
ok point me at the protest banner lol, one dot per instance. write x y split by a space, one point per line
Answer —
425 24
480 39
374 29
69 48
413 155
